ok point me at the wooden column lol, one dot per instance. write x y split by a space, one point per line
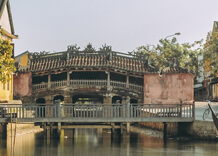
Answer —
128 127
49 80
108 81
127 81
108 78
3 130
165 132
68 78
59 128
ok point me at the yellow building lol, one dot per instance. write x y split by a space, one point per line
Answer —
211 78
6 24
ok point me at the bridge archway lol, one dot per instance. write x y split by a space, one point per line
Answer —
40 100
87 99
40 111
133 101
116 99
59 97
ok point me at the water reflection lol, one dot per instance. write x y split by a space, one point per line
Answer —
98 142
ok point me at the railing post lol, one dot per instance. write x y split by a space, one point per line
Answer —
181 108
58 106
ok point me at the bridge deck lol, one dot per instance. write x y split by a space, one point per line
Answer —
97 113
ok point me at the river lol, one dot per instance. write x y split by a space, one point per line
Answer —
98 142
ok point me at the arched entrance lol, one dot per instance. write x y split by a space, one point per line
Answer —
133 101
40 111
136 109
40 100
117 99
59 97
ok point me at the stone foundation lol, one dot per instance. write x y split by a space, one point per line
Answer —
198 129
172 128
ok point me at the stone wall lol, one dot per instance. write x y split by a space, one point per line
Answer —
172 128
198 129
169 88
23 84
201 129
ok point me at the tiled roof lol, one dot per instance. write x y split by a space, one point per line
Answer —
3 3
96 59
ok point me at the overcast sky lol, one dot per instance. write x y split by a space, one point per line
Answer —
52 25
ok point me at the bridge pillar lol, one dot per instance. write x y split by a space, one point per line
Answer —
125 99
121 128
67 99
128 127
48 133
113 127
59 128
107 100
165 131
3 130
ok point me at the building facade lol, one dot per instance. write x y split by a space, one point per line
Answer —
6 24
89 76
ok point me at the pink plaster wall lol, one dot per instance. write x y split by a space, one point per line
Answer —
23 84
170 88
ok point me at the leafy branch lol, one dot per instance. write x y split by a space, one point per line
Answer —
6 61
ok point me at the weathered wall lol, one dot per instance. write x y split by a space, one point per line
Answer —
198 129
170 88
6 91
172 128
201 129
23 84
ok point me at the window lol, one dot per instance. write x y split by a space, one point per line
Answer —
3 86
8 85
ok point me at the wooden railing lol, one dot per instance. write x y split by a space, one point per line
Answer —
40 85
55 84
95 112
88 83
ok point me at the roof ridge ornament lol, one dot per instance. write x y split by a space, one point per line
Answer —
89 48
73 48
105 48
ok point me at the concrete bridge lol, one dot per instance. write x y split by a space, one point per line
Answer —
60 116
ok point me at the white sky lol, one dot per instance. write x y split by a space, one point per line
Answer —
52 25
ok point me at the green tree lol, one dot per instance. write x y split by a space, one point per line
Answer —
6 61
211 54
170 53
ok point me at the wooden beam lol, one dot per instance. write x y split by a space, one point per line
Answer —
86 126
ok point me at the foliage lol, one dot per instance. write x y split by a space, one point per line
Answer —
211 54
170 53
6 61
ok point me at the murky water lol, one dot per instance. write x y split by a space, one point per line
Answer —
97 142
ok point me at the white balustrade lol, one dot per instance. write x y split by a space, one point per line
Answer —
88 83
